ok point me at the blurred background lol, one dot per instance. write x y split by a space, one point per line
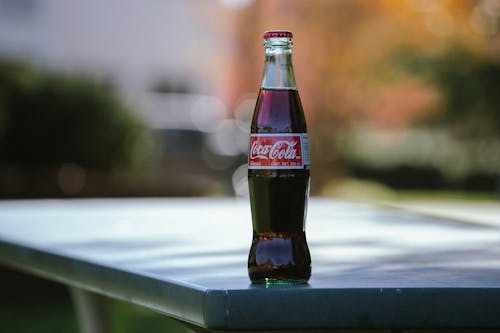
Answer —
154 97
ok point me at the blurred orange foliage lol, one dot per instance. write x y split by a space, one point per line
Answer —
344 60
343 52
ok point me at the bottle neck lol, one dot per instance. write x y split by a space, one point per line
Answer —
278 68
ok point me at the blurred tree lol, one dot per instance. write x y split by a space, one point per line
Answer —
470 86
455 145
47 119
348 78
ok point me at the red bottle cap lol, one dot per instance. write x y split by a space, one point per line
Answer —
278 33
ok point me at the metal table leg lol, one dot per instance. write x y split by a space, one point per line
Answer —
91 311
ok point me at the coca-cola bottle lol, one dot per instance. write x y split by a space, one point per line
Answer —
278 172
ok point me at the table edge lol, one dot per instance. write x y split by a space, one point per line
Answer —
184 301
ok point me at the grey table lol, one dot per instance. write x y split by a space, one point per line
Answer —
373 267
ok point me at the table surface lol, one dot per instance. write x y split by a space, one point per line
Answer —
373 267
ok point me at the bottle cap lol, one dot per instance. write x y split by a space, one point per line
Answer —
278 34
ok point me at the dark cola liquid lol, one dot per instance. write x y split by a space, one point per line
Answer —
279 252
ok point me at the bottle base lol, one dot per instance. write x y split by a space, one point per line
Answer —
279 282
279 275
279 258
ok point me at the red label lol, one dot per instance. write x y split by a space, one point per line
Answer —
278 151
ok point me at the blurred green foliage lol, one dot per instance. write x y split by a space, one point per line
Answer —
47 119
469 84
456 145
49 316
44 306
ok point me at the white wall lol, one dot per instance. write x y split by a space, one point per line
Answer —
130 41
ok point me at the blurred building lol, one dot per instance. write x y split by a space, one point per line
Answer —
133 43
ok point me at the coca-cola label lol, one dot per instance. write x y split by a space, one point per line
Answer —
278 151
